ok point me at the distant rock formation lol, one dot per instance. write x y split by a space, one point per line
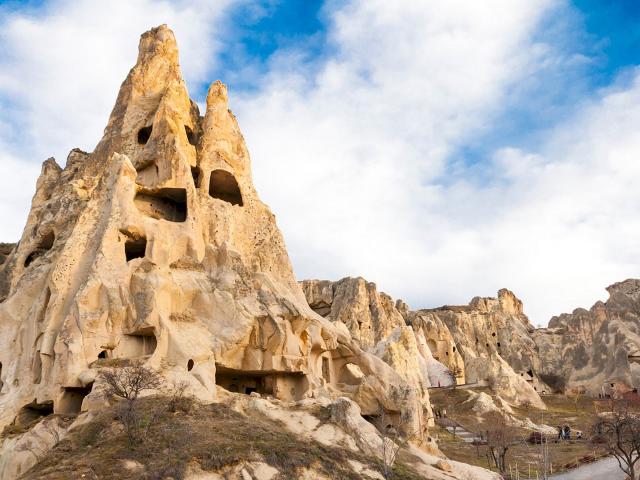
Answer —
597 350
486 342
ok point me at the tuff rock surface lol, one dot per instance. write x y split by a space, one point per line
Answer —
156 249
487 342
595 350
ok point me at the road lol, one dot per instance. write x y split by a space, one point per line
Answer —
606 469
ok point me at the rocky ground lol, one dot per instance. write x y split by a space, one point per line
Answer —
241 437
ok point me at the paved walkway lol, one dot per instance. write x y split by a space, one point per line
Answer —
606 469
465 435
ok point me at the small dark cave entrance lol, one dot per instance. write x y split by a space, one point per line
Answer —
165 204
196 173
43 247
32 413
241 381
135 248
191 136
190 365
144 134
223 185
72 398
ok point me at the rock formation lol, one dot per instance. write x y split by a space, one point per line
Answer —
597 350
487 342
156 249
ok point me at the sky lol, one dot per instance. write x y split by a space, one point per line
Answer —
443 149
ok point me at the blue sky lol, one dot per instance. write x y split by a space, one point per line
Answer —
443 149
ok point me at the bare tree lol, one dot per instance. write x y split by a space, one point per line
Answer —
127 384
500 437
575 394
391 428
619 432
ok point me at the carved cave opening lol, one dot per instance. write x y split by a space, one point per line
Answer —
72 398
191 136
223 186
32 413
144 134
102 354
43 247
135 247
190 365
164 204
282 385
196 173
140 344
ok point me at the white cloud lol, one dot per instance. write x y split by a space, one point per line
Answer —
351 164
357 153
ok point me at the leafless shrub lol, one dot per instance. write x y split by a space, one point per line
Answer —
500 437
180 400
127 384
618 432
395 430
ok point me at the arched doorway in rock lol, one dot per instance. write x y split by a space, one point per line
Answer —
224 186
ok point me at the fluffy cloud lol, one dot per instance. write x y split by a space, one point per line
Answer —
363 153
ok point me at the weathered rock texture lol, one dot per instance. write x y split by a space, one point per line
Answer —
486 342
597 350
156 248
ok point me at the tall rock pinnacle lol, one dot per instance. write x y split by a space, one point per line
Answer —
156 249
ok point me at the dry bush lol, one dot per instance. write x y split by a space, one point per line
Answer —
500 437
618 432
127 384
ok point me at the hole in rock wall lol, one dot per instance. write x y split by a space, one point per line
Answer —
282 385
1 382
144 134
191 137
72 398
137 345
43 247
165 204
530 372
223 185
196 174
498 344
190 365
32 412
102 354
135 248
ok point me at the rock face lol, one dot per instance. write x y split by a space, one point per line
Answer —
597 350
155 248
494 338
486 342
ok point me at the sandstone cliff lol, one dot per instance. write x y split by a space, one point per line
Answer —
487 342
155 249
597 350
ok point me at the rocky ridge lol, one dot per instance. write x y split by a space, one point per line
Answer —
155 250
